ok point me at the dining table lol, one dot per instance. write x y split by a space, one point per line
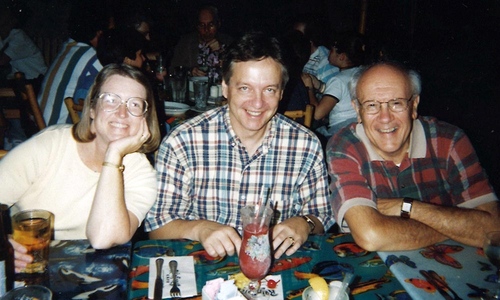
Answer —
78 271
447 270
330 256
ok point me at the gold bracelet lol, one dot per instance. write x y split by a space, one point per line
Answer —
108 164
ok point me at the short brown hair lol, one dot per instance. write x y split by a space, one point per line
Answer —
82 132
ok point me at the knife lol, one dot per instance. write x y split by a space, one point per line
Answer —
443 284
432 281
158 291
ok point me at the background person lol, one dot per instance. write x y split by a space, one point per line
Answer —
400 182
77 170
295 48
121 45
315 29
212 165
74 69
346 53
199 51
18 52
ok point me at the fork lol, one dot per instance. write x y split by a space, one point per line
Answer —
174 291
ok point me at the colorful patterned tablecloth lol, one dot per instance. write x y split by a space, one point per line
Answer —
463 270
77 271
329 256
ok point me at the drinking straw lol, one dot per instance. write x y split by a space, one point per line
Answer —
265 203
347 279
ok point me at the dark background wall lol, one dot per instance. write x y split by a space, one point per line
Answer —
453 44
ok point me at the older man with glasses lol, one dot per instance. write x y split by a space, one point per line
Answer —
400 181
199 51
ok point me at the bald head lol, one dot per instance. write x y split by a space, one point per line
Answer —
383 73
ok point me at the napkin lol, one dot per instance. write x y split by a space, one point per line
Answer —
186 277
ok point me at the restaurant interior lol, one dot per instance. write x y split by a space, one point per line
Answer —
450 43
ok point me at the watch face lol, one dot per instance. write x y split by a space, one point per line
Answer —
310 222
406 207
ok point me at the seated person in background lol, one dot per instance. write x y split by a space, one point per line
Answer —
212 165
93 175
314 29
121 45
19 51
199 51
74 69
136 18
347 53
295 54
400 182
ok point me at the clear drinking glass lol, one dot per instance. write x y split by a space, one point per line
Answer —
200 94
491 248
255 251
33 229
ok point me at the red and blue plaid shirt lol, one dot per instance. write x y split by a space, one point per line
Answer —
442 168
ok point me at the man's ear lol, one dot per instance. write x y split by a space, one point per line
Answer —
356 106
414 106
224 88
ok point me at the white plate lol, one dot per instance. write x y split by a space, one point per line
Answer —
175 108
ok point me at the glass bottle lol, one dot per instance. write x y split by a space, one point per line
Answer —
6 257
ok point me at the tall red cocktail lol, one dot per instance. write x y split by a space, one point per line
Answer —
255 251
255 254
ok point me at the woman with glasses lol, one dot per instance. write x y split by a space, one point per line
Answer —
94 175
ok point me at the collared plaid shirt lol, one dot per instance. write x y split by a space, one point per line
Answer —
442 168
205 173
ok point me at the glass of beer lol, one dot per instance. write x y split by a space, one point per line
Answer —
33 229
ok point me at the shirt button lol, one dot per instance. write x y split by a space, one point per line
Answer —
243 197
403 186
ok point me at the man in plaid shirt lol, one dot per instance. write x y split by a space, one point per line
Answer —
214 164
400 182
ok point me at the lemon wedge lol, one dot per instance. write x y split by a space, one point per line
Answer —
240 280
320 287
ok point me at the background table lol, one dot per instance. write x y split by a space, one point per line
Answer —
77 271
465 269
330 256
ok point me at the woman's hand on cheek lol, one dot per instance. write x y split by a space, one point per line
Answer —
133 142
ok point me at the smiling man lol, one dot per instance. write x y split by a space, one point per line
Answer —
400 182
214 164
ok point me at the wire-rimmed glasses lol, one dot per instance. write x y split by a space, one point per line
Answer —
136 106
372 107
206 26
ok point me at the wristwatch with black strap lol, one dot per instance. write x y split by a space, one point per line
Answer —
310 222
406 207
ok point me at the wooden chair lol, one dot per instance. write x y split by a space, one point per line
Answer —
20 103
74 108
306 115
